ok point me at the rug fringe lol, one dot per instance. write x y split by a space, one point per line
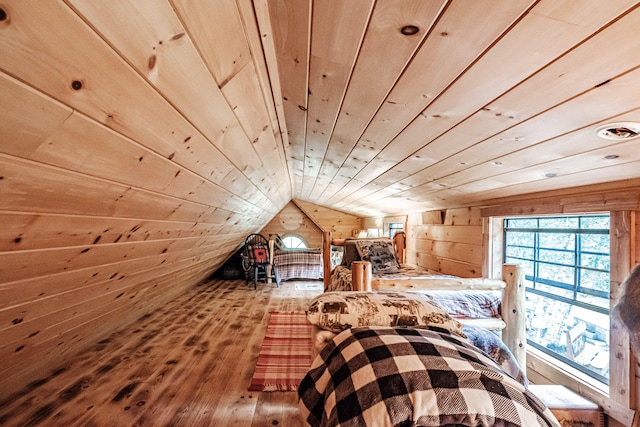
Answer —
280 387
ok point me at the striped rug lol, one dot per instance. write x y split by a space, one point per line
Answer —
285 355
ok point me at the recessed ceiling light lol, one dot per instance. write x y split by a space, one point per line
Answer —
497 163
611 156
550 175
619 131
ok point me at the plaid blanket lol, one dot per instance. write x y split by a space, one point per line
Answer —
387 376
469 303
299 264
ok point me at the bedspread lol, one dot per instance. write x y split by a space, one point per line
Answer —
299 264
387 376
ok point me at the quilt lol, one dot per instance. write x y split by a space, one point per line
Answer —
413 376
299 264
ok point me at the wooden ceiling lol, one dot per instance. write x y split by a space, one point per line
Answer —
224 111
488 99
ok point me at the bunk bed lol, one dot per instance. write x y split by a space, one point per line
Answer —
390 352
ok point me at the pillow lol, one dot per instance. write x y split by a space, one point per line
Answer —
350 253
337 311
260 254
380 254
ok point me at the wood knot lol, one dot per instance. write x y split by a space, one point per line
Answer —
152 62
3 15
76 85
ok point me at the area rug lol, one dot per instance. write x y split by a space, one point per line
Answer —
285 355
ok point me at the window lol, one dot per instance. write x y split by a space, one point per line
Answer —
394 227
566 262
293 242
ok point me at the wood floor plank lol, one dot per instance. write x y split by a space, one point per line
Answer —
188 363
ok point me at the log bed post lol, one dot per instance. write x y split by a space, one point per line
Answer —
399 240
326 258
361 276
514 334
269 268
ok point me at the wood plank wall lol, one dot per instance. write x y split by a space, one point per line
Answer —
129 169
449 242
291 220
308 221
341 224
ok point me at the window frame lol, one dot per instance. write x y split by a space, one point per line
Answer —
620 397
294 236
535 248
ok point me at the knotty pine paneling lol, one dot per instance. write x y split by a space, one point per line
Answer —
449 242
291 220
138 147
337 30
341 224
308 221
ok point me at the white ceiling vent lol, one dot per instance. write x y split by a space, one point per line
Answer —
619 131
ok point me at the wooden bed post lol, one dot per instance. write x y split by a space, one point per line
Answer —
514 334
399 240
361 276
269 268
326 258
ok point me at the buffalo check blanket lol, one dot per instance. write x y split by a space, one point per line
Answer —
390 376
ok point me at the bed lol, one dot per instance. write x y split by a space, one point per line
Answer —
509 319
299 263
404 351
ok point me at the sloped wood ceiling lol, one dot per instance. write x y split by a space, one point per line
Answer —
488 99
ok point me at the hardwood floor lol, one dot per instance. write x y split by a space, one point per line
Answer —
187 364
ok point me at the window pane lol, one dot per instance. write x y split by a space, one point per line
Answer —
551 290
556 273
520 252
597 280
566 222
557 240
594 242
518 238
522 222
293 242
600 262
560 257
595 222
